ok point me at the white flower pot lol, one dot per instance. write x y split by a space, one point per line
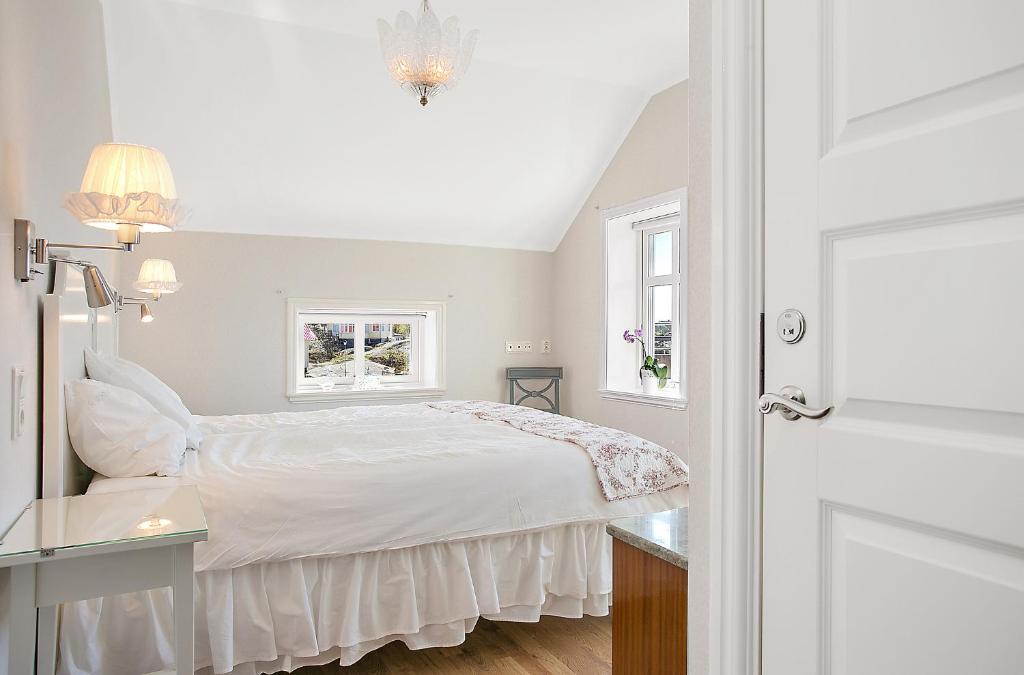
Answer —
648 382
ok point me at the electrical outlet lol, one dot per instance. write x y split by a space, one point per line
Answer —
545 346
518 347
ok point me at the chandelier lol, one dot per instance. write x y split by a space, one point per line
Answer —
426 57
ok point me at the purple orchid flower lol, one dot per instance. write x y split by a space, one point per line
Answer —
649 364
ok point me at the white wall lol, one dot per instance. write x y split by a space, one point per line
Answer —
220 341
54 106
652 160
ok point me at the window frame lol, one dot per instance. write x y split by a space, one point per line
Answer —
632 216
647 280
360 322
427 347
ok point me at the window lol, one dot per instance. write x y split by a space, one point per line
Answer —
357 350
645 254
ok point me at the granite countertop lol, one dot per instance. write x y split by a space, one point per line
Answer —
661 534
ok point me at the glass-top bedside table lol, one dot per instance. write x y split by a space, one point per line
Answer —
91 546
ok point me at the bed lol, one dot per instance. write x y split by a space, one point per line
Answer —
335 532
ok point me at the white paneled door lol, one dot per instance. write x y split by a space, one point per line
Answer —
894 526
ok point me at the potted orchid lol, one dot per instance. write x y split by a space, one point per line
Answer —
653 375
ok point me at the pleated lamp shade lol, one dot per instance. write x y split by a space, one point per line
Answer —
156 277
127 184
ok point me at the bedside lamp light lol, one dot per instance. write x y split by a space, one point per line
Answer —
127 188
157 277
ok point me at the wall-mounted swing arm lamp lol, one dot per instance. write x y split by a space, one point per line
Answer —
30 251
157 277
98 292
126 188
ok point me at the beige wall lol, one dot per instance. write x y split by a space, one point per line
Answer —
652 160
220 341
54 106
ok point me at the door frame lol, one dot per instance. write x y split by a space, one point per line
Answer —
726 47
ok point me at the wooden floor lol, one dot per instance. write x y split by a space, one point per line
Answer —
557 646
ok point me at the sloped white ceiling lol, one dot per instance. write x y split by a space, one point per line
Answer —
278 117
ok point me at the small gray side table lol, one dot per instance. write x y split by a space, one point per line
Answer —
552 374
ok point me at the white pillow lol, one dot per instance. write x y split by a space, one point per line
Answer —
128 375
118 433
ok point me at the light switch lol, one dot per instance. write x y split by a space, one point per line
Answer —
17 402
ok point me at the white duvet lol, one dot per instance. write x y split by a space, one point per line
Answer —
283 486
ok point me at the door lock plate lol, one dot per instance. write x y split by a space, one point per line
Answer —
791 326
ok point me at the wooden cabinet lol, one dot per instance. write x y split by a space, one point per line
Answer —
648 610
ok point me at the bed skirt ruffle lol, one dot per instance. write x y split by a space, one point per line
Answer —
279 616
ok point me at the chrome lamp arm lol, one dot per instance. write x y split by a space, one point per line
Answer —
41 249
123 300
29 250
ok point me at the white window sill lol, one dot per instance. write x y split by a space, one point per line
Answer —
666 400
382 394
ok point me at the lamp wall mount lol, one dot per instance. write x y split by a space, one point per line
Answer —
28 250
24 232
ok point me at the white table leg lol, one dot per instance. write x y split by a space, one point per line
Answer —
22 647
182 591
46 641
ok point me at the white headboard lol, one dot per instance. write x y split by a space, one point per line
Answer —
69 326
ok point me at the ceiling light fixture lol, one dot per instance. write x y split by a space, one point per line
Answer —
424 56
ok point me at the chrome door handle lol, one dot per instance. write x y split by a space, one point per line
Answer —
791 404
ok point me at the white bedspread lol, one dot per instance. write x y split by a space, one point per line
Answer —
283 486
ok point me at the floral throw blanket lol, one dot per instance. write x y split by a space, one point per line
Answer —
626 465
